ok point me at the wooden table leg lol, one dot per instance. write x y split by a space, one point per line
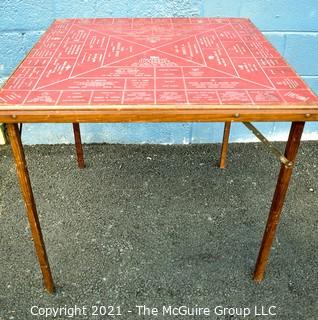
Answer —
24 179
278 199
78 145
225 144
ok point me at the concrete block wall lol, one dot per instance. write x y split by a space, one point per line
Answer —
291 26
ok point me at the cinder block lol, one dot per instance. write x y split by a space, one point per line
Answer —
127 8
25 14
213 132
277 39
278 15
311 130
14 46
30 39
2 81
78 9
240 133
302 52
11 53
3 139
44 133
161 133
164 8
112 8
281 131
205 132
219 8
312 82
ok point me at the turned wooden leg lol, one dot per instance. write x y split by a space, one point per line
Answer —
278 199
23 175
78 145
225 144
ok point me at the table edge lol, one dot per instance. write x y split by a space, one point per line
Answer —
169 113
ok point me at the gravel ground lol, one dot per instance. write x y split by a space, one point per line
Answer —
157 226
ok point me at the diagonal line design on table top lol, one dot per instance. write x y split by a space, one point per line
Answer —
106 49
227 54
139 44
111 52
189 63
167 42
40 77
228 74
129 57
118 35
230 60
109 34
79 54
198 44
79 75
160 46
113 37
272 85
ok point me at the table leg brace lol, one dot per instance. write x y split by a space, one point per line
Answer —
24 179
278 199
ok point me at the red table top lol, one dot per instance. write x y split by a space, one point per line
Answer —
183 61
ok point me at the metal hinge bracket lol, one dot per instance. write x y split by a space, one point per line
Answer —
271 147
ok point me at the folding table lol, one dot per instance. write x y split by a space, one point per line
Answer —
156 70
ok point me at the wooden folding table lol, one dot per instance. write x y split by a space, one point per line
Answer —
156 70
